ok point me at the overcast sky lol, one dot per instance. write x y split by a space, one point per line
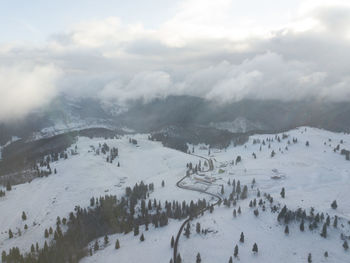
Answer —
223 50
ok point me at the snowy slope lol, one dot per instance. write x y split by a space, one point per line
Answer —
313 176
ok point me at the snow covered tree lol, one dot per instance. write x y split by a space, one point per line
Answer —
230 260
326 254
345 245
117 246
283 192
8 186
255 248
198 258
32 248
234 213
106 240
10 233
163 184
239 210
222 190
142 238
241 239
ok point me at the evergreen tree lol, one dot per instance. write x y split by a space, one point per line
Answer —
286 230
309 258
178 258
198 227
32 248
235 253
222 189
230 260
8 186
324 230
198 258
188 230
346 245
136 230
241 239
326 254
96 246
24 216
283 193
335 222
328 221
334 204
163 184
50 230
302 225
10 233
106 240
25 227
142 238
239 210
117 246
172 242
234 213
46 233
255 248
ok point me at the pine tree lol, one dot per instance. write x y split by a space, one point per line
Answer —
198 227
136 230
106 240
25 227
345 245
234 213
334 204
163 184
302 225
96 246
283 193
50 230
8 186
326 254
324 230
32 248
24 216
178 258
239 210
188 230
335 222
46 233
255 248
3 256
222 189
142 238
286 230
230 260
198 258
172 242
235 253
309 258
10 233
117 246
241 239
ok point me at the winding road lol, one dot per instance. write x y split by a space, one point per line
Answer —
178 184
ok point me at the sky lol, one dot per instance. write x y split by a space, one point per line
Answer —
223 50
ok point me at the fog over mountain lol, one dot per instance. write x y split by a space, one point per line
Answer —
201 51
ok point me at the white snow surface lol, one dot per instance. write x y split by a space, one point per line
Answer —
313 176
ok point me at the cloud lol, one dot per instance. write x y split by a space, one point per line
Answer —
203 50
24 88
